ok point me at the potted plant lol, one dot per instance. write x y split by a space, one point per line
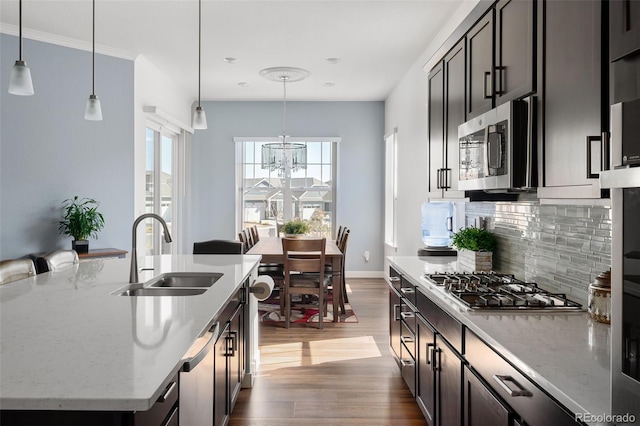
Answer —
295 227
475 249
81 220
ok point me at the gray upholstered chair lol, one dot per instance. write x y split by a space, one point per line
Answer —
55 260
16 269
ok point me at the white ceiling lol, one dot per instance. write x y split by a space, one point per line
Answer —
377 41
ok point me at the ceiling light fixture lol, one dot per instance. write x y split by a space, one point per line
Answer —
231 60
199 116
93 110
284 156
333 61
20 80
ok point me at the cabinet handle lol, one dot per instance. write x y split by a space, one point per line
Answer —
167 392
406 315
435 362
407 362
485 85
407 290
234 341
499 78
396 317
229 349
429 349
438 179
590 141
407 339
191 363
394 279
605 158
520 391
445 178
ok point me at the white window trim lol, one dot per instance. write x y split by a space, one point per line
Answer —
391 189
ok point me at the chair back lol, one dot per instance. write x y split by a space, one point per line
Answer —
248 237
243 240
254 234
342 244
304 255
338 234
55 260
218 247
16 269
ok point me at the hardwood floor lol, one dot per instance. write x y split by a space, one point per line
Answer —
342 375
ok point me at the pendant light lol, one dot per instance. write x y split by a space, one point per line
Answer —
20 81
93 111
199 116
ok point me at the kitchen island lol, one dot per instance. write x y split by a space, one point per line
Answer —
564 354
69 342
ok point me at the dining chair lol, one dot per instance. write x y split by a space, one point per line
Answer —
248 237
56 260
342 245
218 247
243 240
338 234
16 269
304 260
254 234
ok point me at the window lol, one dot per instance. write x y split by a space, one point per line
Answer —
160 189
391 188
268 197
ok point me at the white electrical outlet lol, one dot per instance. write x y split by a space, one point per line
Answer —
366 256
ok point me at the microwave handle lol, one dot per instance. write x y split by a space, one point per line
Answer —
490 143
529 181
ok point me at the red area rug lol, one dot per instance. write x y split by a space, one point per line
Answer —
269 312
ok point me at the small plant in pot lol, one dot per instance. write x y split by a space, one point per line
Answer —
295 227
81 220
475 249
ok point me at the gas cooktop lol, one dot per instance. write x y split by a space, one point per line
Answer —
493 291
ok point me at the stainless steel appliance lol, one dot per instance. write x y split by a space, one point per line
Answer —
493 291
497 149
624 182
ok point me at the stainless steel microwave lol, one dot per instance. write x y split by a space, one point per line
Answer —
497 149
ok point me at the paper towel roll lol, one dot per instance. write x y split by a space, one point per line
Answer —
262 287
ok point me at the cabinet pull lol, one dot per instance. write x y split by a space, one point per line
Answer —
445 178
438 179
485 85
191 363
435 362
590 141
394 279
407 339
520 391
407 290
229 351
429 349
406 315
500 77
396 317
167 392
605 158
407 362
234 342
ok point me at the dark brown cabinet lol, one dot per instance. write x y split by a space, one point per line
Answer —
426 378
481 406
480 78
624 28
448 366
394 323
220 386
575 99
436 129
515 50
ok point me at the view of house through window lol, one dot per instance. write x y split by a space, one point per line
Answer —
272 193
159 187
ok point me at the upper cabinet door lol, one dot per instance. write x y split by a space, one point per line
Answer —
455 95
436 127
515 50
480 77
624 28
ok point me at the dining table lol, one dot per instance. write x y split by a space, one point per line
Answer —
270 248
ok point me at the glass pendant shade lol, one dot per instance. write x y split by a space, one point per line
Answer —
199 119
20 81
93 111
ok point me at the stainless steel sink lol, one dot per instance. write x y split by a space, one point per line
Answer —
184 279
155 291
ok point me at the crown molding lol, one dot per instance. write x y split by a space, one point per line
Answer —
66 42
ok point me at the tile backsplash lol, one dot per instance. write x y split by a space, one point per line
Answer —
561 247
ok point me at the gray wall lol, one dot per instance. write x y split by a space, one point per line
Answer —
360 195
48 152
561 247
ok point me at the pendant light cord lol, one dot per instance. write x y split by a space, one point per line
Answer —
20 25
93 52
199 45
284 108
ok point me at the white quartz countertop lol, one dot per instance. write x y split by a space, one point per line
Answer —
565 353
67 343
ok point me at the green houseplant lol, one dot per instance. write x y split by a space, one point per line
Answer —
475 249
295 227
81 220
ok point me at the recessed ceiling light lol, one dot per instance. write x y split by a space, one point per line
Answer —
231 60
328 84
333 61
243 84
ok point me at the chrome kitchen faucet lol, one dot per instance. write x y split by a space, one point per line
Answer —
133 274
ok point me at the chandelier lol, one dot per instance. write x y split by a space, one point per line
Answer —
284 156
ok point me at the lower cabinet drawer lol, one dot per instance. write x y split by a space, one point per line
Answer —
408 339
531 403
408 369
